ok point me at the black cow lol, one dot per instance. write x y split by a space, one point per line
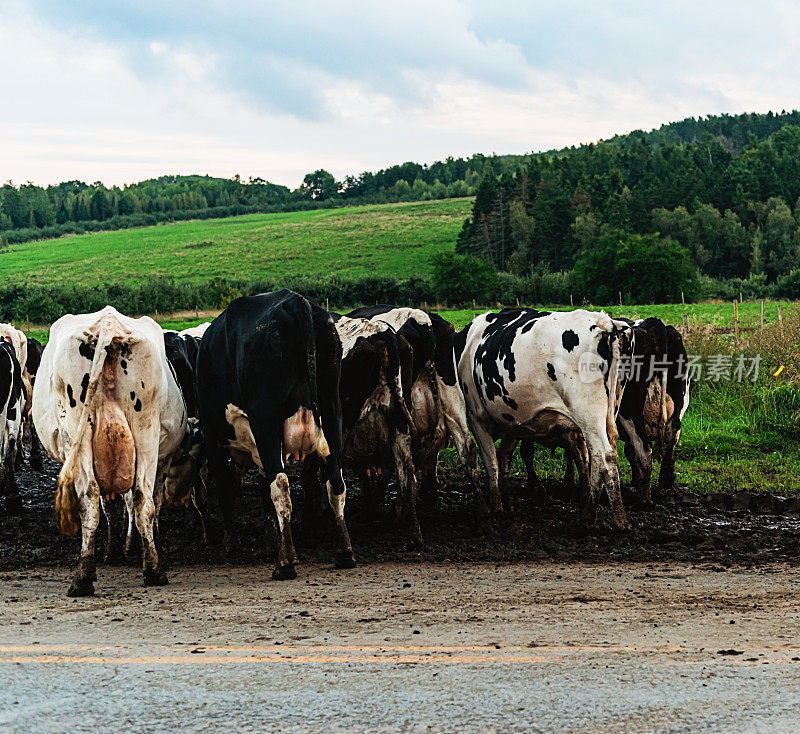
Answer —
12 401
437 402
268 386
181 350
378 428
656 397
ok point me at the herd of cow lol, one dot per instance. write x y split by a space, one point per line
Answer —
150 416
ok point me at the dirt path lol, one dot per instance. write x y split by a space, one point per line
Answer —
548 646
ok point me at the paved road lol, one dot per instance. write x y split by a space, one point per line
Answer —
550 647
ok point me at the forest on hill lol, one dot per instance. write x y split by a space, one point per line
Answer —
709 207
656 169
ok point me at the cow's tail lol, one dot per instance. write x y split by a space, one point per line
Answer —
613 385
67 514
311 357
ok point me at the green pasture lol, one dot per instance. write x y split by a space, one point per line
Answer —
384 239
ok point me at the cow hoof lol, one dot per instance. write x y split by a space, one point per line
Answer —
284 573
81 587
155 577
14 505
344 560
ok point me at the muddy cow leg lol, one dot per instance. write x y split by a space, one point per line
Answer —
603 475
489 455
406 507
344 550
88 494
282 501
35 456
666 476
144 510
220 474
639 455
9 488
465 446
504 454
130 532
200 504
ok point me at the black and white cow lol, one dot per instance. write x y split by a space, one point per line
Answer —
542 375
648 416
437 402
378 429
12 401
107 407
268 387
655 399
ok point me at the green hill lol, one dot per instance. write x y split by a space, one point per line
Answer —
386 239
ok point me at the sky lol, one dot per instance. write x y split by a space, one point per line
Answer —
125 90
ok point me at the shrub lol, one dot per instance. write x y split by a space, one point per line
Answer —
461 278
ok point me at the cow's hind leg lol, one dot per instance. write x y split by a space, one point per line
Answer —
221 480
282 500
489 456
88 494
35 455
344 550
666 476
144 511
465 446
407 488
603 475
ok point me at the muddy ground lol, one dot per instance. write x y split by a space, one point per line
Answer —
689 622
741 528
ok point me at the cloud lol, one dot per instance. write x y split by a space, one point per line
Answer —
124 90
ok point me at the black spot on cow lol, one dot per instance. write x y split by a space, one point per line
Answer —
133 395
84 386
570 340
137 406
123 363
551 372
11 414
508 417
496 348
72 401
86 351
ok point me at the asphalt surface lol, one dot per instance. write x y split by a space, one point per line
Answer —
550 646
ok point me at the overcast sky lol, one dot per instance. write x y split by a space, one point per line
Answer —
125 90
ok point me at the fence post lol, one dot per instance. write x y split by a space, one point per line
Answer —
683 300
571 304
780 314
327 303
762 313
736 320
517 300
740 297
620 297
196 312
156 314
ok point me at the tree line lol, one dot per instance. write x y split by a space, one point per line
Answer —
713 204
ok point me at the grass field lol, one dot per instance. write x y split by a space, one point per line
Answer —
386 239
